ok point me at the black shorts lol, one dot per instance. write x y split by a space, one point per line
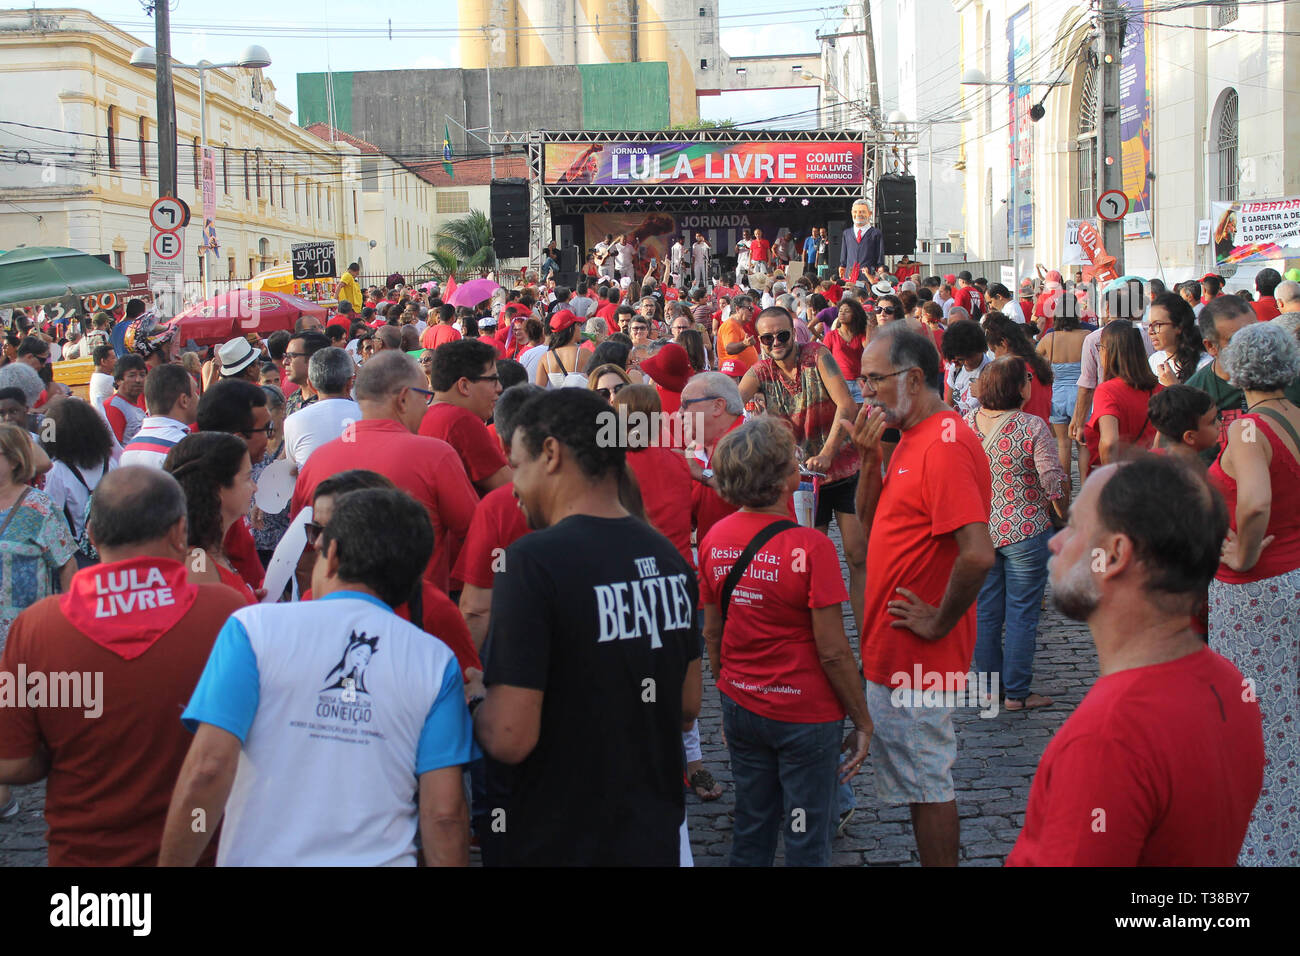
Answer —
837 496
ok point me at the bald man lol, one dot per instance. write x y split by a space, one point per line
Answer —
863 244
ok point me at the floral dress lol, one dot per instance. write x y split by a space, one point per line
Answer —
35 545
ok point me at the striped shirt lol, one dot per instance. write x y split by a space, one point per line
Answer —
156 437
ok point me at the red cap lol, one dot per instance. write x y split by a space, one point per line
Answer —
1211 275
563 319
670 367
950 279
733 367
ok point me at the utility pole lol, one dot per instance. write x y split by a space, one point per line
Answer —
166 99
871 62
1111 168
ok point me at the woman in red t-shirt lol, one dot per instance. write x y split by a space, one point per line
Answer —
846 339
783 666
1007 337
215 473
1120 418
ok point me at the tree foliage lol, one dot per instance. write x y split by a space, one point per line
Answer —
463 248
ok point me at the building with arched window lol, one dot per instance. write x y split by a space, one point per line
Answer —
1203 111
69 73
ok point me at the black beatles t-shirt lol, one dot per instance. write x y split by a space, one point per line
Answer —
599 614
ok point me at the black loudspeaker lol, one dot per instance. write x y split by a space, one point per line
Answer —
896 213
835 235
568 258
510 218
564 235
568 278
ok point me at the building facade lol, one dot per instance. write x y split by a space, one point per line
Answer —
530 33
916 46
1203 94
80 128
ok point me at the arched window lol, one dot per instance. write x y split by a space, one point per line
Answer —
112 137
1085 143
1226 146
144 138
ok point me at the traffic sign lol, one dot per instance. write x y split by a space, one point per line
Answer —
166 245
1112 205
169 214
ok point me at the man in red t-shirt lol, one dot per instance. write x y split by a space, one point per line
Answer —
136 623
928 549
968 296
442 331
390 390
760 252
465 387
1163 761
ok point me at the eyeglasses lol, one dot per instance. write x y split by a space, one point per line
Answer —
426 361
702 398
873 380
889 311
768 338
313 533
268 431
294 355
428 395
640 328
1152 326
608 393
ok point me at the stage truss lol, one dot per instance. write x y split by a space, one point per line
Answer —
885 149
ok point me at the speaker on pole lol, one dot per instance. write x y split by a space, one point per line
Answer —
835 239
509 214
896 213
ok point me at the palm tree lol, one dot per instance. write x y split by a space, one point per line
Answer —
464 247
442 265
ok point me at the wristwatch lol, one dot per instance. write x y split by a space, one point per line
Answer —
475 701
707 474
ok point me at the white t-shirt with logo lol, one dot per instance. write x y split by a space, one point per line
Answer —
340 706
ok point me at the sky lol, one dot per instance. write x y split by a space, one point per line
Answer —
423 38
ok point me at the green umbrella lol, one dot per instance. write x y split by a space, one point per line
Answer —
42 273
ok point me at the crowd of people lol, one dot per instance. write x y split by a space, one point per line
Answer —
586 493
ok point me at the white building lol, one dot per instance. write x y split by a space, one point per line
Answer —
916 50
1216 79
79 123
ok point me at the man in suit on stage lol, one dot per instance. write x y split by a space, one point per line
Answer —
863 245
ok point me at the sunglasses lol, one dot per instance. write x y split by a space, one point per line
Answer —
608 393
268 431
888 311
313 533
783 336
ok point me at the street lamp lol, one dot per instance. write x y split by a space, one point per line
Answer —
898 117
254 57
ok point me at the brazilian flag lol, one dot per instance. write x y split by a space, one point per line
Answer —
446 151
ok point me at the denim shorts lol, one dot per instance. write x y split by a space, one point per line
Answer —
913 748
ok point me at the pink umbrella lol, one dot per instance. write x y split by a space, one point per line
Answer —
237 313
473 292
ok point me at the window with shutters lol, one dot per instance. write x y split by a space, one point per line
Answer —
452 201
1226 147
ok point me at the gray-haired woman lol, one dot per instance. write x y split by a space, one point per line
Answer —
1255 597
777 648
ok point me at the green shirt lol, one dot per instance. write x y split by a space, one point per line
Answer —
1230 400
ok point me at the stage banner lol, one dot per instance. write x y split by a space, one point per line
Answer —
1135 85
750 163
1252 231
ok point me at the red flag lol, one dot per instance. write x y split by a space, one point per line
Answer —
451 287
853 273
